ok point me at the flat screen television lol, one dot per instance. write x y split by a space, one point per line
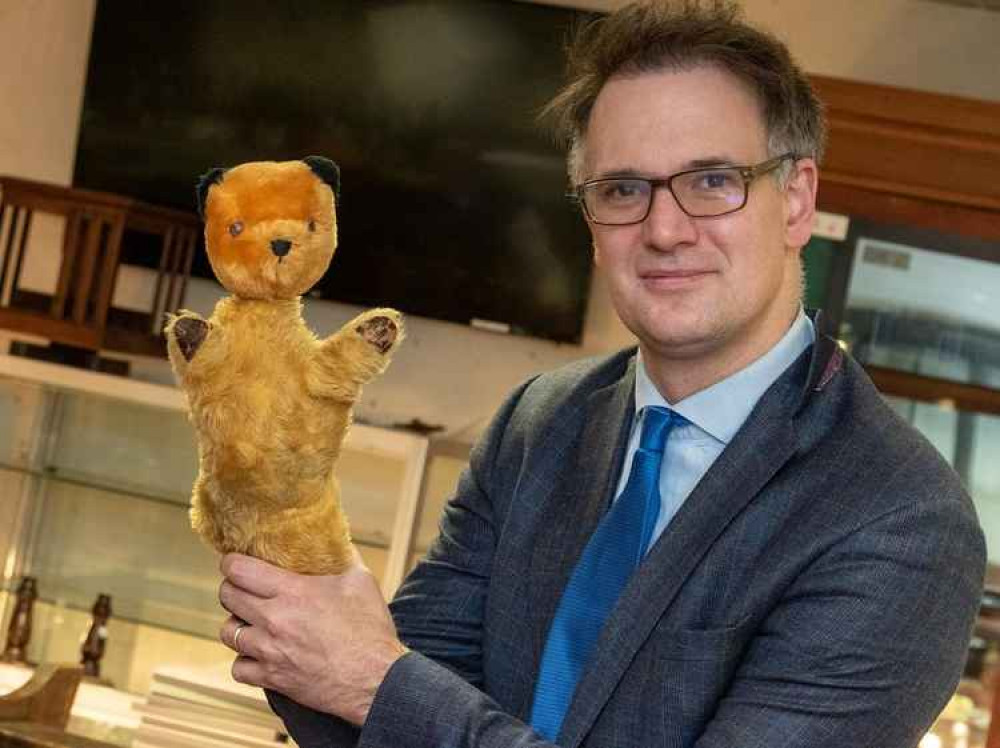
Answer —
453 203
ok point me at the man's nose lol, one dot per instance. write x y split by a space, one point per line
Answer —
667 224
281 247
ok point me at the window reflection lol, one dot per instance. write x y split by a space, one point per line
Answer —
924 312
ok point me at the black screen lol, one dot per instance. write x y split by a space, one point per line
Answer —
453 202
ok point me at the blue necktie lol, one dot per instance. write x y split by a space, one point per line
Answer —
611 555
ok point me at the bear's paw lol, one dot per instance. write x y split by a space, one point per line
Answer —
379 331
190 333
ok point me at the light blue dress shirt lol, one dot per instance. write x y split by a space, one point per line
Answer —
714 416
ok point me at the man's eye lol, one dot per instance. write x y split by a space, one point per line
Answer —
716 180
236 228
620 190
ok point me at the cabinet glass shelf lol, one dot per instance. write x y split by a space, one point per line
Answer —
373 539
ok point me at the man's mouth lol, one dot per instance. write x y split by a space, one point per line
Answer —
667 279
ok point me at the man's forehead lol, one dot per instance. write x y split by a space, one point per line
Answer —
680 92
668 121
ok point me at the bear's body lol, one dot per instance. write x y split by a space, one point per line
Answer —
270 402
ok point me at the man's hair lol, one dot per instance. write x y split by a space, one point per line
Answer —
656 35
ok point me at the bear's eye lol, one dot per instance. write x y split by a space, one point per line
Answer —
236 228
312 224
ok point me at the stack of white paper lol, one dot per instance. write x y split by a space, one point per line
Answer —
205 708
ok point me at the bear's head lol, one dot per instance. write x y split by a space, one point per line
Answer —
270 227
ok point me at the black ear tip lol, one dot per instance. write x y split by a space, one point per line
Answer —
205 181
326 170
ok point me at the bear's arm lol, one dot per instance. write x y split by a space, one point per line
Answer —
356 354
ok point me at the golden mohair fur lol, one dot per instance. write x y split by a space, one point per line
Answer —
270 402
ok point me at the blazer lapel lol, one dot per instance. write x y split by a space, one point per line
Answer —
735 478
579 498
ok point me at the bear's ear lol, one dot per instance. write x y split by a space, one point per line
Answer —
210 177
326 170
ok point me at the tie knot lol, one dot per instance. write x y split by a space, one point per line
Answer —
656 425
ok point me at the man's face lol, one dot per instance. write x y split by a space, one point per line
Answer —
720 289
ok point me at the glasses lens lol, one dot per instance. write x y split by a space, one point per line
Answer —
710 192
617 201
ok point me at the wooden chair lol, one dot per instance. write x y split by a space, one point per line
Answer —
95 226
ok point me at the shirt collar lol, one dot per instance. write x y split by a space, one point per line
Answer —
721 409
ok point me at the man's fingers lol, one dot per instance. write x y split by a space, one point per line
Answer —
242 604
253 575
246 641
248 670
228 636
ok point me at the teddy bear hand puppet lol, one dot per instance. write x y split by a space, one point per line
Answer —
270 402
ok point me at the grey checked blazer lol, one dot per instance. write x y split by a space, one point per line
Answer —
816 589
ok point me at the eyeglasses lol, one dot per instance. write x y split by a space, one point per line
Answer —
700 193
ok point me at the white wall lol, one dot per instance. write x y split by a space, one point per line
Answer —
43 64
445 373
917 44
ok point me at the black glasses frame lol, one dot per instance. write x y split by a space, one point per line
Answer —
747 173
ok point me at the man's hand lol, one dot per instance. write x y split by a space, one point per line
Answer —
325 641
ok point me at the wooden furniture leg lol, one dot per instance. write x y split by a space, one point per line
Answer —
993 736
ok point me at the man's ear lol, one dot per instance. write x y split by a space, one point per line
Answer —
596 256
800 202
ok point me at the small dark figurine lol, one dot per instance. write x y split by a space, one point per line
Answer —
19 630
93 646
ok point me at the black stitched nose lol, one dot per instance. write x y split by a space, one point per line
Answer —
281 247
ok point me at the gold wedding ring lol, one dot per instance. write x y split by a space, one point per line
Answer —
236 637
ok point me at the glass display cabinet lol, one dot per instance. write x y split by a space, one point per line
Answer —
95 478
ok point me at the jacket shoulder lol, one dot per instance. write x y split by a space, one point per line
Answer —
552 405
560 393
867 433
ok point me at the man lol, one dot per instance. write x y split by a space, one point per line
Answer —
811 569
